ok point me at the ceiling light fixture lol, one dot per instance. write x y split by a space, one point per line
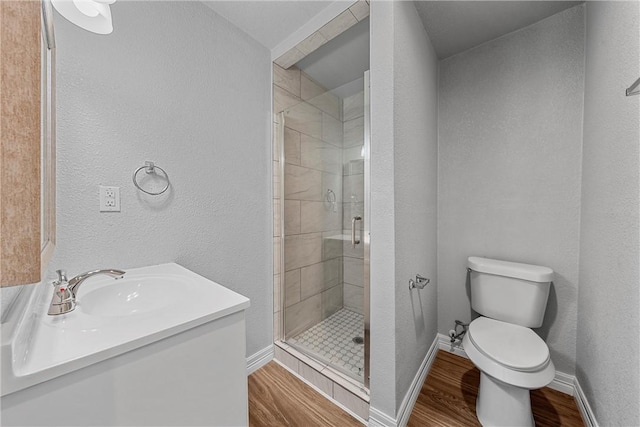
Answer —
91 15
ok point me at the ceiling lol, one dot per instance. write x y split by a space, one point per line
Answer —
269 22
349 53
455 26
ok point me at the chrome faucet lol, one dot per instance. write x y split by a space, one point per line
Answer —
62 301
75 283
66 291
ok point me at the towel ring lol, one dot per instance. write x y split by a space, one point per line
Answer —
150 167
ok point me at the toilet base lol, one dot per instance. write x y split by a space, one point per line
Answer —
501 404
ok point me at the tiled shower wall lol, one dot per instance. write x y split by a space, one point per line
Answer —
312 276
353 205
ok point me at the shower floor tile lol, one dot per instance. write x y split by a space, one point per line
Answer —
332 341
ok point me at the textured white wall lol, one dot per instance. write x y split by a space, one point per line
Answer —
382 261
510 139
403 199
176 84
608 364
415 143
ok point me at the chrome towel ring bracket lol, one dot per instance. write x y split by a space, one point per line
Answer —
419 283
150 167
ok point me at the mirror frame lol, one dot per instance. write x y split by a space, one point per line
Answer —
48 143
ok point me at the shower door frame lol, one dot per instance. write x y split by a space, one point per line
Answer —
365 238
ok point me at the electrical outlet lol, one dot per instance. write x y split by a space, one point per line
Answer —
109 198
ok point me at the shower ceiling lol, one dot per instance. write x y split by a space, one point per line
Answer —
340 61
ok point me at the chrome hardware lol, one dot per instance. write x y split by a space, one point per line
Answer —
454 335
419 283
47 23
150 167
631 90
354 241
62 278
61 303
65 292
62 300
332 200
75 283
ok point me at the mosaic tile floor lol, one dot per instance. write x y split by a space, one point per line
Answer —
332 341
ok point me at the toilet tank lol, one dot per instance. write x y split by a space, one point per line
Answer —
509 291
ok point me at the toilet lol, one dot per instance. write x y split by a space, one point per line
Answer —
511 298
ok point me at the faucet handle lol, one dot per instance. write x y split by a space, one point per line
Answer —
61 293
62 278
61 296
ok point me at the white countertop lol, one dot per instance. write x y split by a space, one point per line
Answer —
48 346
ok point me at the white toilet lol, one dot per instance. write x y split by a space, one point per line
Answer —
512 359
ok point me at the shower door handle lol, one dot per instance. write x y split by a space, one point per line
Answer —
354 242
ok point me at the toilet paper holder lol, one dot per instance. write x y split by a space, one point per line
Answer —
419 283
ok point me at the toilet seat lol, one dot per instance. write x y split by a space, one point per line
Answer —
512 346
529 379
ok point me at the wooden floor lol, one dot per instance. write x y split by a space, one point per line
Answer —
447 398
278 398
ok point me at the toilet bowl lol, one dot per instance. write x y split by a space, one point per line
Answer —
512 361
511 298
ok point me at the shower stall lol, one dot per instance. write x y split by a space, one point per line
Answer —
321 152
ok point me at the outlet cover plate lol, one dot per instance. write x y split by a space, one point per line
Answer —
109 198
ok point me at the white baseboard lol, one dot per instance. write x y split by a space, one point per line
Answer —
404 412
259 359
588 416
378 418
562 382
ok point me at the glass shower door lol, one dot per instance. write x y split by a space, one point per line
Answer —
322 204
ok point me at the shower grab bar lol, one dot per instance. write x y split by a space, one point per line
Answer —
354 242
631 90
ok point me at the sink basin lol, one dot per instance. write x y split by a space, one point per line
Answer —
129 296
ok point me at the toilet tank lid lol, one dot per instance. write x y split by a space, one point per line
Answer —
533 273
